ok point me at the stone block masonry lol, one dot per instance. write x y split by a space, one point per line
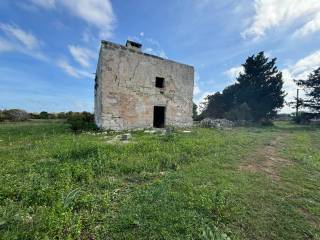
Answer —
138 90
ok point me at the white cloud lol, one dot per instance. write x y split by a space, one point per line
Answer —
149 50
201 99
158 52
24 37
273 13
20 40
162 54
98 13
49 4
304 66
88 36
141 34
5 46
196 89
201 4
95 12
310 27
153 42
155 48
70 70
234 72
82 55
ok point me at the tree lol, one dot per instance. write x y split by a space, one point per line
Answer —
61 115
81 121
257 93
214 106
44 115
312 87
241 112
15 115
217 104
2 116
260 87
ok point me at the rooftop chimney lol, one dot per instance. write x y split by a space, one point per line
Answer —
134 45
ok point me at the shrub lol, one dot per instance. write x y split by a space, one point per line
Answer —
61 115
81 121
14 115
34 115
2 116
303 118
242 112
44 115
213 234
266 122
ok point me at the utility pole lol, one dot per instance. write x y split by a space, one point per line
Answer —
297 103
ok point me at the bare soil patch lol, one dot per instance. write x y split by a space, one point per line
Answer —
267 160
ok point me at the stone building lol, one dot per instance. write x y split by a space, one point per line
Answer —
138 90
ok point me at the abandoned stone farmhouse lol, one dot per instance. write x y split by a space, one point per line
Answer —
138 90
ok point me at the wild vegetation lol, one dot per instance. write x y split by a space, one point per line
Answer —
243 183
256 95
311 101
78 121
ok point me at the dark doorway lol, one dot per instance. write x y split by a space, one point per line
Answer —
158 116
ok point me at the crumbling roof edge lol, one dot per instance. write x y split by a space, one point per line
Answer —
146 54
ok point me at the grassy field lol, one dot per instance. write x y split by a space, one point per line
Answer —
244 183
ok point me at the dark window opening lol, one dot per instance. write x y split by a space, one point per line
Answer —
158 116
159 82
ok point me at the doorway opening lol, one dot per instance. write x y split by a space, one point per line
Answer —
159 116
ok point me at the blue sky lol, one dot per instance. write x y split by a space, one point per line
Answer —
49 48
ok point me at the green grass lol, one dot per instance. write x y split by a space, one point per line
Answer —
55 184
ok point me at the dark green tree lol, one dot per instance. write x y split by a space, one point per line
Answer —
239 112
214 106
44 115
260 87
218 104
312 88
256 95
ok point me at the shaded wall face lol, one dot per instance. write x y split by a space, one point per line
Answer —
129 93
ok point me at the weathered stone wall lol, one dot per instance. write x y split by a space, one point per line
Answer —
125 92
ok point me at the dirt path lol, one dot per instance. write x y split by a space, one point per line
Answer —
267 159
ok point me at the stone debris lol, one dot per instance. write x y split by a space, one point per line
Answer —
216 123
95 133
186 131
123 138
126 137
168 131
315 121
150 131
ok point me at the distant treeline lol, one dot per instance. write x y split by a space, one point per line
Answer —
78 121
15 115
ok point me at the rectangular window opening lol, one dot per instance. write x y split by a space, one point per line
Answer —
159 116
159 82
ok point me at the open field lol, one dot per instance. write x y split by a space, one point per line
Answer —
247 183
